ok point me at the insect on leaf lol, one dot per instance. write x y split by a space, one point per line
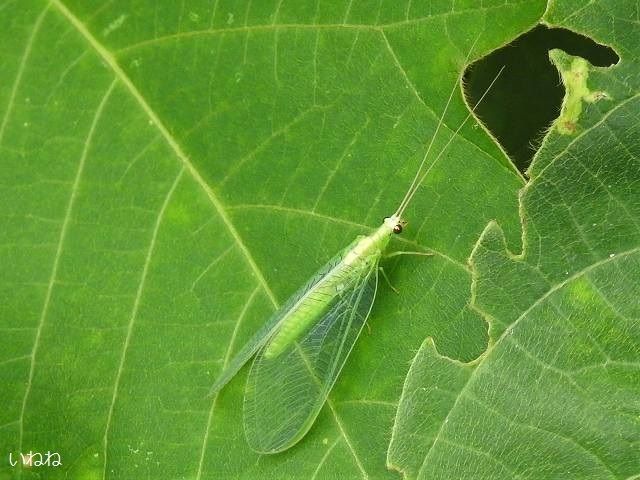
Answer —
273 325
285 392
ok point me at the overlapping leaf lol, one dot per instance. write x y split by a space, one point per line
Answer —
557 393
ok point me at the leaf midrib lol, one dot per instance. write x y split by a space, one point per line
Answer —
171 141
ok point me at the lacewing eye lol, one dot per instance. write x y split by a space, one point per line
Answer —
397 228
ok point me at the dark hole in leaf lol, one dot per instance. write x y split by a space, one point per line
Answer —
527 96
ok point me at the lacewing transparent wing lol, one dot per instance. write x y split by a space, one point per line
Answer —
285 392
280 317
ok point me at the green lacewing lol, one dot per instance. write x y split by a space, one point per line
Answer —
301 349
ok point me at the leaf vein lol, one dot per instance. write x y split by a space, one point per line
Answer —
324 458
227 355
358 27
23 62
281 208
134 313
171 141
542 430
583 133
482 453
414 90
505 334
56 260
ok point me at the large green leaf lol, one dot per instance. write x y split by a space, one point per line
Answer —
172 171
557 393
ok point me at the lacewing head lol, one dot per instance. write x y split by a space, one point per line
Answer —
395 223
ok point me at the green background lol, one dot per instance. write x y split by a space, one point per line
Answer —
172 171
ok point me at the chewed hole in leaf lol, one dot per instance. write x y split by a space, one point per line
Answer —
527 97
